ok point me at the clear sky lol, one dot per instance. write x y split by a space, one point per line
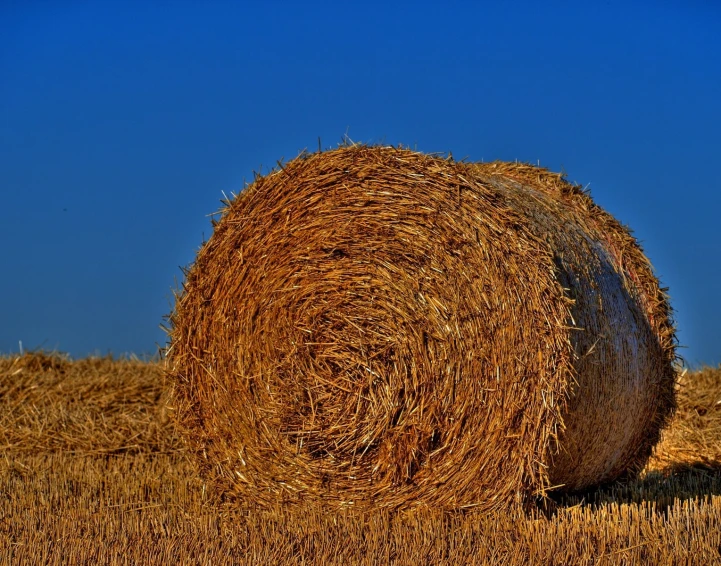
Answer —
121 123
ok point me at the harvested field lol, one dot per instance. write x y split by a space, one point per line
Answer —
91 470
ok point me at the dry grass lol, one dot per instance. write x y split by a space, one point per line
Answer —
91 472
373 326
91 406
694 440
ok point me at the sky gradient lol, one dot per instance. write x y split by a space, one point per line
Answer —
122 123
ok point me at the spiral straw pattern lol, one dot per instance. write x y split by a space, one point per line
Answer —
374 326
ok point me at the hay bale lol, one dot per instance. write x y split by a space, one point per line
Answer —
376 326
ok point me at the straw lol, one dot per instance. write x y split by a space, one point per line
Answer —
373 326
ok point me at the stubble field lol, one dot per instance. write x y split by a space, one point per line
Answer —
91 471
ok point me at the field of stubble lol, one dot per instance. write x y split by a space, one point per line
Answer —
91 471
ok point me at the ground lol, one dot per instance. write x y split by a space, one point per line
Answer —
91 470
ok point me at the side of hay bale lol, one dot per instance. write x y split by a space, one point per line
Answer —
624 345
376 326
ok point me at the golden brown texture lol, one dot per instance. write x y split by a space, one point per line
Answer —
94 405
694 438
379 327
70 503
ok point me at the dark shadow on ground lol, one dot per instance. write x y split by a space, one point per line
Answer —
697 480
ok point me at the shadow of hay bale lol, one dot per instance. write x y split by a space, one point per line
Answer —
687 481
374 326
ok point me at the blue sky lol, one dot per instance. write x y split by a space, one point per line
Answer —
121 123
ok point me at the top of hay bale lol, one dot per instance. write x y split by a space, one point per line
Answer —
378 326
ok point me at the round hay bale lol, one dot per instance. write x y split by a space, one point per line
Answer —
375 326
